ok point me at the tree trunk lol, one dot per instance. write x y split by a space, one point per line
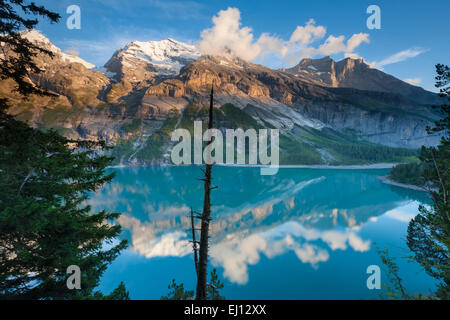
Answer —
205 219
194 242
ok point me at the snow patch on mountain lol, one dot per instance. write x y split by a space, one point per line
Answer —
166 56
38 38
74 59
111 75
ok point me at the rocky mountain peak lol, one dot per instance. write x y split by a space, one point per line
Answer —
357 74
156 77
328 65
164 58
225 60
321 71
350 63
38 38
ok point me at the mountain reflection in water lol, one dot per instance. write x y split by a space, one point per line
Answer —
304 218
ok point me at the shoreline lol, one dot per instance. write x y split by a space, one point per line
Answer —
374 166
386 180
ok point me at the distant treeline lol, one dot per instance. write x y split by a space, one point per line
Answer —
408 173
376 153
308 146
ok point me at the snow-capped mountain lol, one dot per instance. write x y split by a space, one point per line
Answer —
164 58
37 37
322 107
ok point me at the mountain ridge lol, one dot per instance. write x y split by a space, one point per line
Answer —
355 73
164 58
38 38
130 105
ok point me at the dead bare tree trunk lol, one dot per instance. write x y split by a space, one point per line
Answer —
205 220
194 242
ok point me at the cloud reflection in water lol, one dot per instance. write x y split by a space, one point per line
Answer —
308 213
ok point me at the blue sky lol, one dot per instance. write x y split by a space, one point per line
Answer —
412 39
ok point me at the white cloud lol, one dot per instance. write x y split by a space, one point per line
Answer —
400 215
356 40
413 81
308 34
403 213
146 241
335 45
235 254
401 56
237 251
228 34
332 45
312 254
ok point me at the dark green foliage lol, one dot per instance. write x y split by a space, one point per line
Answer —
232 117
132 126
428 235
190 114
122 150
154 148
45 225
120 293
374 153
350 150
18 62
395 289
155 145
214 287
408 173
343 147
442 82
177 292
429 232
293 151
305 147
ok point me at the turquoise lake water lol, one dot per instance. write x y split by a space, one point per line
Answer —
300 234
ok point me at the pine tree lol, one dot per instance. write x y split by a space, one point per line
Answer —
45 179
429 232
44 224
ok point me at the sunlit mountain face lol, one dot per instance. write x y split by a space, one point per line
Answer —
300 234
